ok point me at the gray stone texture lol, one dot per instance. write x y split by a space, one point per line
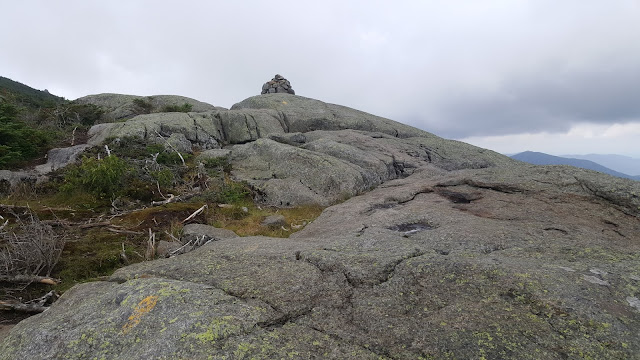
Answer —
484 274
430 248
277 85
120 107
60 157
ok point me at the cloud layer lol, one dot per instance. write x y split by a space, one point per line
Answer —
462 69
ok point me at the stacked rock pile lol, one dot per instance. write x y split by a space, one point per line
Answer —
277 85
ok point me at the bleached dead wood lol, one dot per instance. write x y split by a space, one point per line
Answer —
25 279
150 253
92 225
123 256
170 199
123 231
171 146
28 308
191 245
33 306
73 136
195 213
30 249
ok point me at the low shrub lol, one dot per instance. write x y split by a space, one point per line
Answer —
186 107
142 106
170 157
218 164
232 192
19 143
103 178
164 178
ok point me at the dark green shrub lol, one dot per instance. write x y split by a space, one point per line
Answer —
154 149
233 192
177 108
139 189
142 106
88 114
218 164
103 178
18 142
71 114
170 157
163 177
132 147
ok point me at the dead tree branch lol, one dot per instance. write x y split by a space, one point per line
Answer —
150 253
29 248
171 146
22 279
195 213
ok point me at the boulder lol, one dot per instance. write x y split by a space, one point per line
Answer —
254 118
119 107
274 221
301 114
511 261
286 175
165 248
198 129
324 167
60 157
11 179
214 154
190 231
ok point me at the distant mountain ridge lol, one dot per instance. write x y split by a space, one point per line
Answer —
26 95
623 164
538 158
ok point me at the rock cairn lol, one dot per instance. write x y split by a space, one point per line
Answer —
277 85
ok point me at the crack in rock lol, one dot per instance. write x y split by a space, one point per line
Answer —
391 268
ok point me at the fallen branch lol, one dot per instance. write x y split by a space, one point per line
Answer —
195 213
73 135
28 308
21 279
150 253
171 236
123 256
128 232
92 225
171 199
171 146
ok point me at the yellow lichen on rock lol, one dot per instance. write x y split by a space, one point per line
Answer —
144 306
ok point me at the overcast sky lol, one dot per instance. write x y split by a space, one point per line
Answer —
543 75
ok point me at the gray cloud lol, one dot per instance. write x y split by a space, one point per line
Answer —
458 69
549 99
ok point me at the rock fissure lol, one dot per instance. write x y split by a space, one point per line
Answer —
225 136
284 319
626 207
502 188
390 269
415 195
363 347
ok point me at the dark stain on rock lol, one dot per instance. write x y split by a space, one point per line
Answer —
458 197
411 228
